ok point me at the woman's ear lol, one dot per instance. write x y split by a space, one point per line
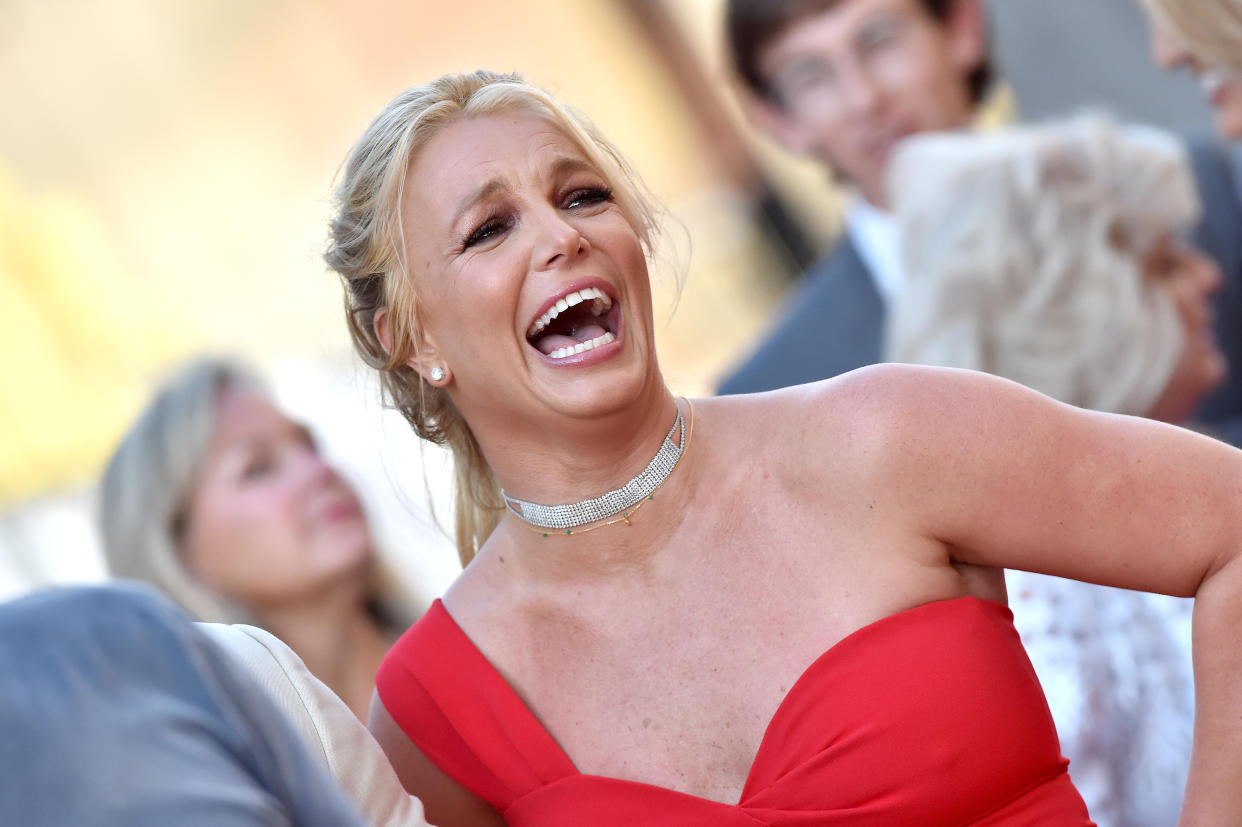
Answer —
382 333
426 356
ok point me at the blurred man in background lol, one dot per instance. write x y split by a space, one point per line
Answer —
842 82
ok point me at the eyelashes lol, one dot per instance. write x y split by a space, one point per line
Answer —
487 230
588 196
495 225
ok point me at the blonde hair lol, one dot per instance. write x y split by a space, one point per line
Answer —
367 249
148 483
1023 255
1212 29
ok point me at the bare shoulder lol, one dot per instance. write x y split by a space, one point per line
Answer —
815 404
880 385
899 405
484 593
862 409
892 395
881 423
445 802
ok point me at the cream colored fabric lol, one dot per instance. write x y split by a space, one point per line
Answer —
325 722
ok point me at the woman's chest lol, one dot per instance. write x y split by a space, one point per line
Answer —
679 691
687 713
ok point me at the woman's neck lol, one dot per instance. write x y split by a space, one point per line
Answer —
599 552
580 458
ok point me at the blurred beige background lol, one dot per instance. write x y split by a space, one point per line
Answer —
166 168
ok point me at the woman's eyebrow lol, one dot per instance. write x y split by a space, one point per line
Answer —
481 194
568 164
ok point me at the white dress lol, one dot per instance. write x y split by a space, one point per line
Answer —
1115 665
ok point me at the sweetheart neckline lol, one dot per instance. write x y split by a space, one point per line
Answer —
543 732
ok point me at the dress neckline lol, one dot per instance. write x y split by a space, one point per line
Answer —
833 652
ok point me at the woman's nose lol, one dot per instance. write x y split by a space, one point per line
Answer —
314 469
559 241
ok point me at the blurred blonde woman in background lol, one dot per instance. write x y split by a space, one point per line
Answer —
1205 36
1051 255
225 504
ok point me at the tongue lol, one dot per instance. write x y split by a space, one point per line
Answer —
554 341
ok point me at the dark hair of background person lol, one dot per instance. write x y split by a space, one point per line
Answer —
750 25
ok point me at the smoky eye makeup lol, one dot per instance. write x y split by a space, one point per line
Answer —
493 215
592 195
578 197
485 231
257 465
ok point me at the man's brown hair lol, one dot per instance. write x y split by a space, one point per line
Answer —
750 25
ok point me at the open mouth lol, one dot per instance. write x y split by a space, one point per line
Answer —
577 322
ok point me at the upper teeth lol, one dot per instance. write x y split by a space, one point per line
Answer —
600 303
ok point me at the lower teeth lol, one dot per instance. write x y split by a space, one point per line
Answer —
598 341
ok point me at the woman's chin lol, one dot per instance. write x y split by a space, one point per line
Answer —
601 395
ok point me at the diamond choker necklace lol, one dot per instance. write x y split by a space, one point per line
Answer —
623 500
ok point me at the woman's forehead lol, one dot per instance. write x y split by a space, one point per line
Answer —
492 145
244 416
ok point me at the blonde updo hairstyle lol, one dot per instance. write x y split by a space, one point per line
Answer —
1212 29
367 249
1024 254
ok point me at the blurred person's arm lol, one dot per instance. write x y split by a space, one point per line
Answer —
117 711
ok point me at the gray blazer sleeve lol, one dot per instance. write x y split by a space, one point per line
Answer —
117 712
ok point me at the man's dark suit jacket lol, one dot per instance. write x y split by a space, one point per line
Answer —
834 322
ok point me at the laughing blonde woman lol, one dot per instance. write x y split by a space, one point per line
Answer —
783 608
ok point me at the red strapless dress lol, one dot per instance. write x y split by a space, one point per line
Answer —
932 716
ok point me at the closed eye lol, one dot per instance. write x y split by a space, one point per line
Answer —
257 467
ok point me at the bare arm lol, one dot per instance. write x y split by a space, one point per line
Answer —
1003 476
445 802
